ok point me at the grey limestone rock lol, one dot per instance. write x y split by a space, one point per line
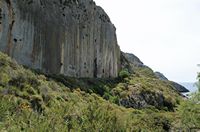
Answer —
133 59
177 86
146 99
160 76
71 37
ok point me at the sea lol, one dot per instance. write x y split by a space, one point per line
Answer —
191 86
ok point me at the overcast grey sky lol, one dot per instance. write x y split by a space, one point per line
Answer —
164 34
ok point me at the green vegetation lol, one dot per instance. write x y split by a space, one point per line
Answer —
189 111
30 101
124 73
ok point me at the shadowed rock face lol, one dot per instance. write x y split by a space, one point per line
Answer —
145 99
161 76
133 59
177 86
70 37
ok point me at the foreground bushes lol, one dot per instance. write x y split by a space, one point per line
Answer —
32 102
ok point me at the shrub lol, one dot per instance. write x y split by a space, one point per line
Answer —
37 104
124 73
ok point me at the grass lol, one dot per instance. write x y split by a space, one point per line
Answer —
35 102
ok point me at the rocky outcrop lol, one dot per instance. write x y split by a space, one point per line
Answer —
177 86
161 76
131 58
71 37
146 99
130 61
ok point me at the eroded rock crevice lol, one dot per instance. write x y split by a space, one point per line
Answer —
1 17
11 23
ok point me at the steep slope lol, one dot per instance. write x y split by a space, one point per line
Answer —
178 87
34 102
161 76
133 63
136 88
131 58
71 37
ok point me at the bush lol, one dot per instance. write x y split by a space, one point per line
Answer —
190 115
124 73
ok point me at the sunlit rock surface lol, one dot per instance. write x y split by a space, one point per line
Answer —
71 37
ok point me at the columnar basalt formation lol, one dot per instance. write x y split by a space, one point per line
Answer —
71 37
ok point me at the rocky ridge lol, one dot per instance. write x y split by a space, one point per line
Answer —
135 62
178 87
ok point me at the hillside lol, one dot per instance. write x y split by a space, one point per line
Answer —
34 102
133 64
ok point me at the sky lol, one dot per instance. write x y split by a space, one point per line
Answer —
164 34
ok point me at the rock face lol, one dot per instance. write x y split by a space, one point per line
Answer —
177 86
130 61
131 58
161 76
146 99
71 37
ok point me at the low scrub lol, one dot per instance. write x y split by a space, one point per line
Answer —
34 102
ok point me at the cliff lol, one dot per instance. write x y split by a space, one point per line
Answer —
71 37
